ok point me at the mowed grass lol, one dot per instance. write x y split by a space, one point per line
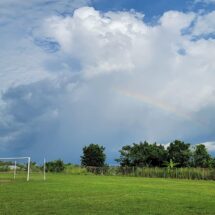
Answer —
89 194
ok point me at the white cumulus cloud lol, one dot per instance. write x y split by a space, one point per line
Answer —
114 79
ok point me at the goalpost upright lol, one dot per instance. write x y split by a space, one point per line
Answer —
44 169
20 158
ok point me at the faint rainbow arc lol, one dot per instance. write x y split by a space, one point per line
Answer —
154 102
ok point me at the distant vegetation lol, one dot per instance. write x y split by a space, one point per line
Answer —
55 166
178 160
177 154
6 166
93 155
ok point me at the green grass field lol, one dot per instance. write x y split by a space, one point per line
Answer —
88 194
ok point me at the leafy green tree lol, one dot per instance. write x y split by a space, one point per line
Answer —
157 154
201 157
93 155
125 156
180 153
55 166
212 163
170 165
142 154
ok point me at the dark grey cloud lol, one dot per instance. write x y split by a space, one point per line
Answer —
107 78
30 112
56 118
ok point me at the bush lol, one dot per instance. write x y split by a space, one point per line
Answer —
55 166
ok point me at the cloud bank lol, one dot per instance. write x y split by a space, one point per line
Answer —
109 78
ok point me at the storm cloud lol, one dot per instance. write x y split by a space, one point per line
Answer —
109 78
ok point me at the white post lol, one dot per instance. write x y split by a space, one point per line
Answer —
20 158
14 172
44 170
28 175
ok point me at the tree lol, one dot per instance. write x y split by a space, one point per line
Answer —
157 154
93 155
142 154
180 153
211 163
201 157
55 166
170 165
125 154
139 154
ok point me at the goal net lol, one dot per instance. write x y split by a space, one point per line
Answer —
16 168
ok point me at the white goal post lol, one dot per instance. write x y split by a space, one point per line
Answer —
15 167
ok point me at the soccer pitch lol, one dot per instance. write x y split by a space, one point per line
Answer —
89 194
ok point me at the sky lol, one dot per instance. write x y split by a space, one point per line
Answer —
110 72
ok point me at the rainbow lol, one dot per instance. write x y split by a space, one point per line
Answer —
154 102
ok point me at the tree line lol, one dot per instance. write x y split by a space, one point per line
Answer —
144 154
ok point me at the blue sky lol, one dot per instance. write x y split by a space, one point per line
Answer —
149 7
153 8
109 72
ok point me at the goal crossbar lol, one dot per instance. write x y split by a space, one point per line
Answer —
15 158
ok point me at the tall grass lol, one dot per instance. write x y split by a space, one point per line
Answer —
149 172
179 173
75 169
